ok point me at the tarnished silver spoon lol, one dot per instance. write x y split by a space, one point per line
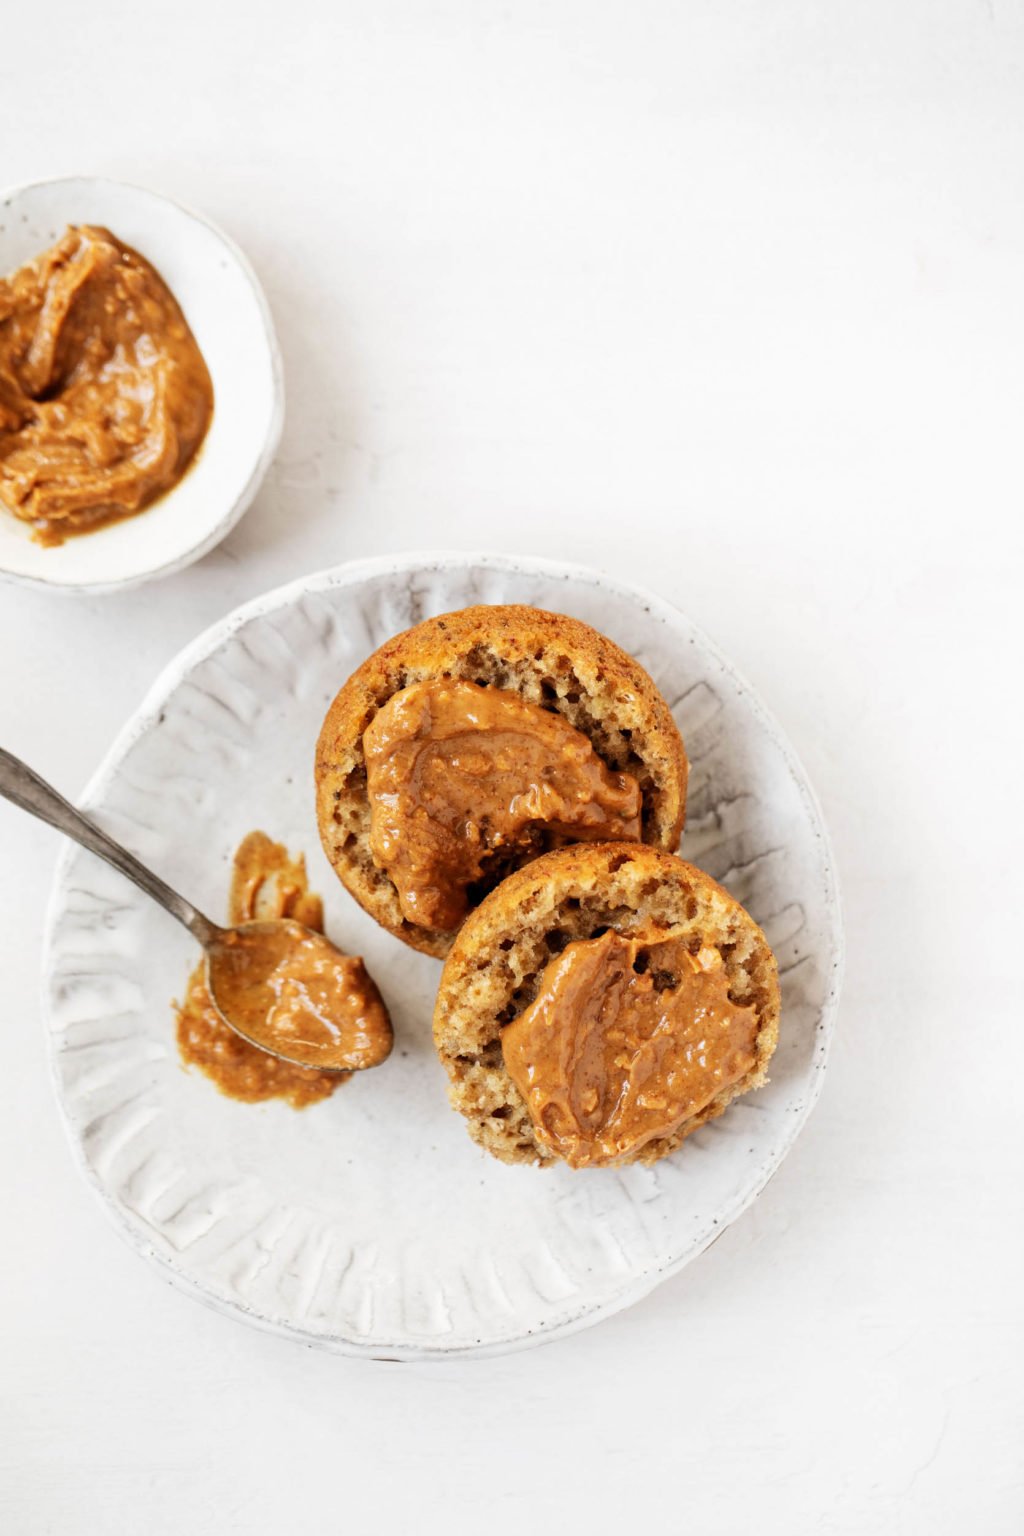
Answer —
281 986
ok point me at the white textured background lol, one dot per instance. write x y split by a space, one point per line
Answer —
729 299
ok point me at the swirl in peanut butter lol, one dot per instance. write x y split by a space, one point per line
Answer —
104 395
465 782
626 1040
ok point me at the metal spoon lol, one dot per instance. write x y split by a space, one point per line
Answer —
230 952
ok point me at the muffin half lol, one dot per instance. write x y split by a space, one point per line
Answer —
477 741
600 1005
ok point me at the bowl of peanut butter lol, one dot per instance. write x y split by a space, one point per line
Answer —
141 395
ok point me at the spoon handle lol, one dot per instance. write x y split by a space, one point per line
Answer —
26 789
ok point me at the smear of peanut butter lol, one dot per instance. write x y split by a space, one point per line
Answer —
267 882
627 1038
464 780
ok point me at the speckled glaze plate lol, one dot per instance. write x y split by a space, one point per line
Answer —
370 1224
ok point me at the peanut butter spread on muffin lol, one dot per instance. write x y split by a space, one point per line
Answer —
459 775
602 1004
104 394
627 1038
523 694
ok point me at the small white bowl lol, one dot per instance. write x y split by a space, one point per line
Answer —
228 313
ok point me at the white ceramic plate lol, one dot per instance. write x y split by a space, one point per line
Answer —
225 307
370 1223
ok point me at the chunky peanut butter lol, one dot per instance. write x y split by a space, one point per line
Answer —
104 394
466 781
267 884
626 1039
288 989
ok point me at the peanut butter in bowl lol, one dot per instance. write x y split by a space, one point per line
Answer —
105 397
141 393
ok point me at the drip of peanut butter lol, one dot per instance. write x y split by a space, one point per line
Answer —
626 1040
267 884
104 394
463 780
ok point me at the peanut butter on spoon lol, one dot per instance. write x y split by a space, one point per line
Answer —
267 882
278 984
288 990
